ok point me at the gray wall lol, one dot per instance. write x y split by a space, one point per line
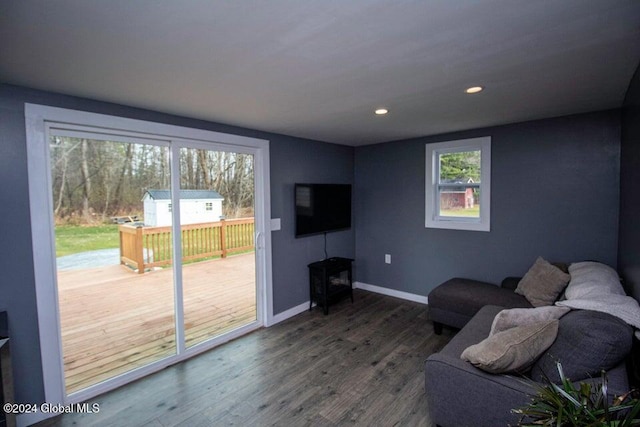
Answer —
292 160
555 193
629 239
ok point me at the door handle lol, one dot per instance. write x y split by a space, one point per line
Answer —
259 240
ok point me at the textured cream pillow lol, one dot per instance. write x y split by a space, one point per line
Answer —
543 283
512 350
512 317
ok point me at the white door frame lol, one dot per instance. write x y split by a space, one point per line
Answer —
38 121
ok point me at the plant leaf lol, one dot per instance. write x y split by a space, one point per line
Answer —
581 404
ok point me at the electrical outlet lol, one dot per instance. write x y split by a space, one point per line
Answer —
387 258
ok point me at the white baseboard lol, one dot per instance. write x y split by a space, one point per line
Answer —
391 292
280 317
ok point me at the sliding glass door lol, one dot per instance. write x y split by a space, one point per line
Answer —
153 249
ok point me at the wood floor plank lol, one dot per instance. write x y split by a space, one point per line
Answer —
361 365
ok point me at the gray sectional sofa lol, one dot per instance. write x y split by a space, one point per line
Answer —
459 394
587 341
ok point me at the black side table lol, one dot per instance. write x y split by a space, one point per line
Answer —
329 281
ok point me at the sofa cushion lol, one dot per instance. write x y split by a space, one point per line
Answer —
513 317
587 342
543 283
468 296
512 350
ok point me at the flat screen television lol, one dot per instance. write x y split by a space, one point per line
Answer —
321 208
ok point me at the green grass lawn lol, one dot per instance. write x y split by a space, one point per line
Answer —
473 212
72 239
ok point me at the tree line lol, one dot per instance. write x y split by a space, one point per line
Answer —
94 180
460 166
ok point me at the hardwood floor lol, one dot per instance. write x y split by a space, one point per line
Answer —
360 365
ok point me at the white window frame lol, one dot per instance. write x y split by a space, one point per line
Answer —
433 219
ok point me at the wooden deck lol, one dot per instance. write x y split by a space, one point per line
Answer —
114 320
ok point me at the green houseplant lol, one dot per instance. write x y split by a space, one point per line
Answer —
565 404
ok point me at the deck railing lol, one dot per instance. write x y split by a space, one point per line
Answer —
146 247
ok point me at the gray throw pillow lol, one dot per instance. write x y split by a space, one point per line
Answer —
588 342
543 283
513 317
513 350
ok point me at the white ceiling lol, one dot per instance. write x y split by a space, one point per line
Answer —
318 68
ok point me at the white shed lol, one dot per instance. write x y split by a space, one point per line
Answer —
196 206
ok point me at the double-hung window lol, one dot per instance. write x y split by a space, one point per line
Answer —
458 184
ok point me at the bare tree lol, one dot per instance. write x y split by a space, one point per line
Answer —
62 149
124 173
86 178
203 163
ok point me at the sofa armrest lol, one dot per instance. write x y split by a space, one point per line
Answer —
510 283
458 394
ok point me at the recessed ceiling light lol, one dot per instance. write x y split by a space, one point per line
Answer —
381 111
474 89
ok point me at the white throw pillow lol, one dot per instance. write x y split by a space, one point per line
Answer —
591 279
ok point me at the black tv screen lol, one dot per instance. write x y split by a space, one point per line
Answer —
321 208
